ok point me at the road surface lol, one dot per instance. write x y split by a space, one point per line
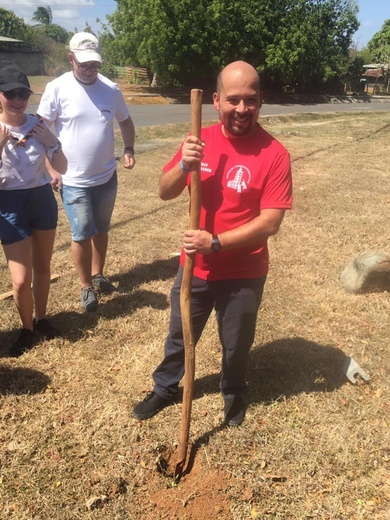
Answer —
151 115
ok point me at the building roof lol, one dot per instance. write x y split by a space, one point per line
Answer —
373 73
9 40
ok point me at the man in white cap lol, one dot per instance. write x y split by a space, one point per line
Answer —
82 104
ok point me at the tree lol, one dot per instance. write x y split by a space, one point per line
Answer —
43 15
379 45
311 44
57 33
188 41
11 25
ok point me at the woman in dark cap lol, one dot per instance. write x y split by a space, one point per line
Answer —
28 208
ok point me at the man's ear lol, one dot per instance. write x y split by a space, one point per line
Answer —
216 101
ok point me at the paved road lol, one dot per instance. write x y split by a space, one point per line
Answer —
150 115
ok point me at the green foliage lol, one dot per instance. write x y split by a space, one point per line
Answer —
312 38
108 69
11 25
379 45
57 33
186 42
43 15
46 37
354 71
54 53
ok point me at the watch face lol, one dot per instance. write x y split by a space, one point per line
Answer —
215 244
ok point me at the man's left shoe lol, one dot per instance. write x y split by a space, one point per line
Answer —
234 411
45 328
103 284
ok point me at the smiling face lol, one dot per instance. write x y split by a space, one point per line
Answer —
14 103
85 72
238 99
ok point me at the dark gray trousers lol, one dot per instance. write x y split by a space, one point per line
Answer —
236 303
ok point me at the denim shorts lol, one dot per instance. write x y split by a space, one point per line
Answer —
24 211
89 209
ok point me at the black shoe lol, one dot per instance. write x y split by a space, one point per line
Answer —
150 406
234 411
45 328
23 343
103 284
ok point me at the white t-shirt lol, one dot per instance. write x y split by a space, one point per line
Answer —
23 165
84 122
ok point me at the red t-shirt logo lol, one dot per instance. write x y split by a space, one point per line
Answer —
238 178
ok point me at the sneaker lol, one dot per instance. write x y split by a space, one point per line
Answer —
88 299
150 406
23 343
103 284
234 411
45 328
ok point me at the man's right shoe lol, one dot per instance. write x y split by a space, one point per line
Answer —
150 406
23 343
88 299
234 410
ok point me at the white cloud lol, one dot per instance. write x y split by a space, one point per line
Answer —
68 16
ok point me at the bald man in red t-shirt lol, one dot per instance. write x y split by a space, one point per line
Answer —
246 186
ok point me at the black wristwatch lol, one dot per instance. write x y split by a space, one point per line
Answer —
129 150
215 244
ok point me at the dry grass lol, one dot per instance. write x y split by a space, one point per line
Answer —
312 446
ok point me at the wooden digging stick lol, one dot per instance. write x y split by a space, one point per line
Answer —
185 294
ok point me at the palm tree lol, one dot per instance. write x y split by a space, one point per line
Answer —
43 15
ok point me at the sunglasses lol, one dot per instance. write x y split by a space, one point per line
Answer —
20 93
84 68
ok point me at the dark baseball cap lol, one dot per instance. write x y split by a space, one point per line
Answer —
12 77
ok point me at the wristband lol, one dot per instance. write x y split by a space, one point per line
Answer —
128 150
185 170
57 148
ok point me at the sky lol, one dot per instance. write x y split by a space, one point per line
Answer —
74 14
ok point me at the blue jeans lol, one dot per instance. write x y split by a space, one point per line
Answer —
236 303
23 211
89 210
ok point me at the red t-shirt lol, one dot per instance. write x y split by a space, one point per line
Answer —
239 177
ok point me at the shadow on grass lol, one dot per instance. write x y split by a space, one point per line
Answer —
144 273
73 325
282 368
290 366
22 381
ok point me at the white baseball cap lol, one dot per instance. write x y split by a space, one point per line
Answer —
85 46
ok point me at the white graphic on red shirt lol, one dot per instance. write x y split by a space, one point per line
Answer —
238 178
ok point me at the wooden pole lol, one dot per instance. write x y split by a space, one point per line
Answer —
9 294
185 294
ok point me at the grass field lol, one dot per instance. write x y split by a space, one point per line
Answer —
313 446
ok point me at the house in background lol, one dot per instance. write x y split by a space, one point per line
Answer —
17 52
374 78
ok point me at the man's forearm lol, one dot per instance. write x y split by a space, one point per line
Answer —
172 183
128 132
253 232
